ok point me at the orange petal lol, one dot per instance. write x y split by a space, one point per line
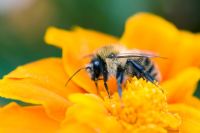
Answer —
193 101
49 73
30 119
188 52
182 87
58 37
190 118
41 82
89 110
28 91
76 38
77 128
150 32
76 44
89 100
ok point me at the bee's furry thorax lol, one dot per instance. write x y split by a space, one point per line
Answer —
105 51
112 63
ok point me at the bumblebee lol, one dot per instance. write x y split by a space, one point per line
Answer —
117 61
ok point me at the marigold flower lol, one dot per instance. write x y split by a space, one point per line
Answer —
143 107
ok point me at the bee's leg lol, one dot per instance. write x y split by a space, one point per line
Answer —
105 78
120 77
104 72
97 87
107 90
140 69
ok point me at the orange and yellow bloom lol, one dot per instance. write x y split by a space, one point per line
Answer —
143 107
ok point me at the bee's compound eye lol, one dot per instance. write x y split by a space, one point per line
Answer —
96 63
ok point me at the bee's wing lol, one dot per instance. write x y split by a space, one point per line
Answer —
136 53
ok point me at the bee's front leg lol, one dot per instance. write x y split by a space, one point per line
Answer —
97 87
107 90
105 78
120 78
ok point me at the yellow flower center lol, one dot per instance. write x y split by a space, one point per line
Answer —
143 108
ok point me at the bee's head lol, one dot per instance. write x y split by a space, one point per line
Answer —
94 68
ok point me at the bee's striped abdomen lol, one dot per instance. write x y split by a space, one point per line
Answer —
149 67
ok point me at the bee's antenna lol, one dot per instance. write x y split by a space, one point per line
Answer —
75 74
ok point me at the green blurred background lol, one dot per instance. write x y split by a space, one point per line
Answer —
23 23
